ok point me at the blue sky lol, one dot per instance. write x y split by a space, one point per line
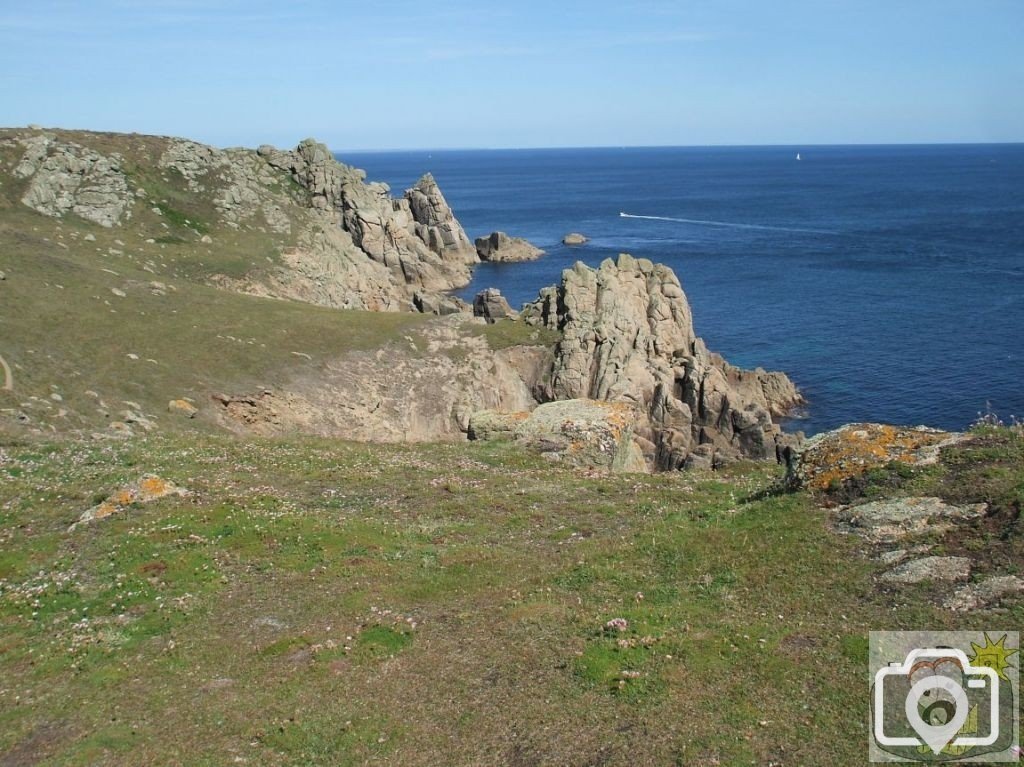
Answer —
453 73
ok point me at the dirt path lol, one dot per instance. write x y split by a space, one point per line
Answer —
8 378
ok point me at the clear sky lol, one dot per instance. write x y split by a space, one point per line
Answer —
455 73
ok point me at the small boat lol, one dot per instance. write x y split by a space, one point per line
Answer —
798 155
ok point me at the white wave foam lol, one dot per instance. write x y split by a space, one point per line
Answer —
729 224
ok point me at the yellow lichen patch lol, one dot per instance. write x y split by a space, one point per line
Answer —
621 415
105 509
152 487
182 407
122 497
149 488
854 449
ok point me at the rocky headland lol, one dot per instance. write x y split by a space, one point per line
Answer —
620 333
353 244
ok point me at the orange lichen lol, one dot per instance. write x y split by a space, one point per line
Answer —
105 509
148 488
154 487
855 449
122 497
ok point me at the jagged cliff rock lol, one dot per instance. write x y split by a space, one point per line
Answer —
417 238
342 242
627 335
359 228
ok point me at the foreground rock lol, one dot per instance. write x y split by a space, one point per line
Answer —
985 593
583 433
182 407
850 451
627 335
499 247
149 488
930 569
894 519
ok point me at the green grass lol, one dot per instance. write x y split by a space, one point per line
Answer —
189 339
321 602
507 333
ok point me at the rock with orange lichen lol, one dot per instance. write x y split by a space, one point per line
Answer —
585 433
150 487
182 407
826 460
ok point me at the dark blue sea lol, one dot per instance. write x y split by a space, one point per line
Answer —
887 281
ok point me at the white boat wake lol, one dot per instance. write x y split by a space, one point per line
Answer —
729 224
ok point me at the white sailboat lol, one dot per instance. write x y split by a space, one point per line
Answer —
798 155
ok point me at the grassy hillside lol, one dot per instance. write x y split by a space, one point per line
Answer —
324 603
95 320
314 602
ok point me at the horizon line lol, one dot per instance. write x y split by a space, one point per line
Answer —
818 145
561 147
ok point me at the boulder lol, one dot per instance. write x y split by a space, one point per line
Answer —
487 425
148 488
974 596
894 519
440 304
499 247
627 335
182 407
575 238
583 433
850 451
492 306
930 569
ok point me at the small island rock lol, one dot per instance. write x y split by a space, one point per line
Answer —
575 238
498 246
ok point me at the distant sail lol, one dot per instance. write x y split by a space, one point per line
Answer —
798 155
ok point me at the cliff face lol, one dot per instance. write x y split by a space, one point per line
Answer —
627 335
142 226
417 237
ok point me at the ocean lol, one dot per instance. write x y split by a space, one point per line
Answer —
887 281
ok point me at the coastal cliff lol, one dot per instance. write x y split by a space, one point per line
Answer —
164 245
